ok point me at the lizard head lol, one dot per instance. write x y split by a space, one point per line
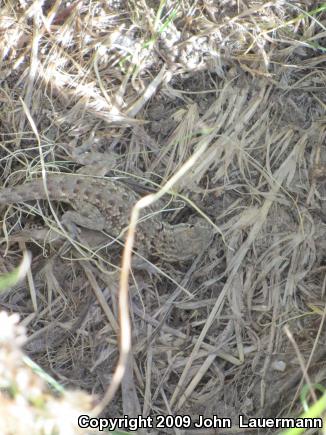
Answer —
183 242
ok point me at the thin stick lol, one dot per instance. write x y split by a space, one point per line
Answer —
125 330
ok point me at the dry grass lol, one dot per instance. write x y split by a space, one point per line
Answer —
142 85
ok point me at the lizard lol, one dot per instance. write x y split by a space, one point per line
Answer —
105 204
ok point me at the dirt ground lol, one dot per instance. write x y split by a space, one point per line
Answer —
142 86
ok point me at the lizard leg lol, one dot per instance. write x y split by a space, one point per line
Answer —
98 168
88 216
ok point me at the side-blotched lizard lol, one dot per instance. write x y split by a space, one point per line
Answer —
104 204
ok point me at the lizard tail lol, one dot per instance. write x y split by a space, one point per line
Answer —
29 191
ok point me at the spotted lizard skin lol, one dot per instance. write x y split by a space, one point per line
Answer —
105 204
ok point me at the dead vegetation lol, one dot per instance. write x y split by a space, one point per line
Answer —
141 85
